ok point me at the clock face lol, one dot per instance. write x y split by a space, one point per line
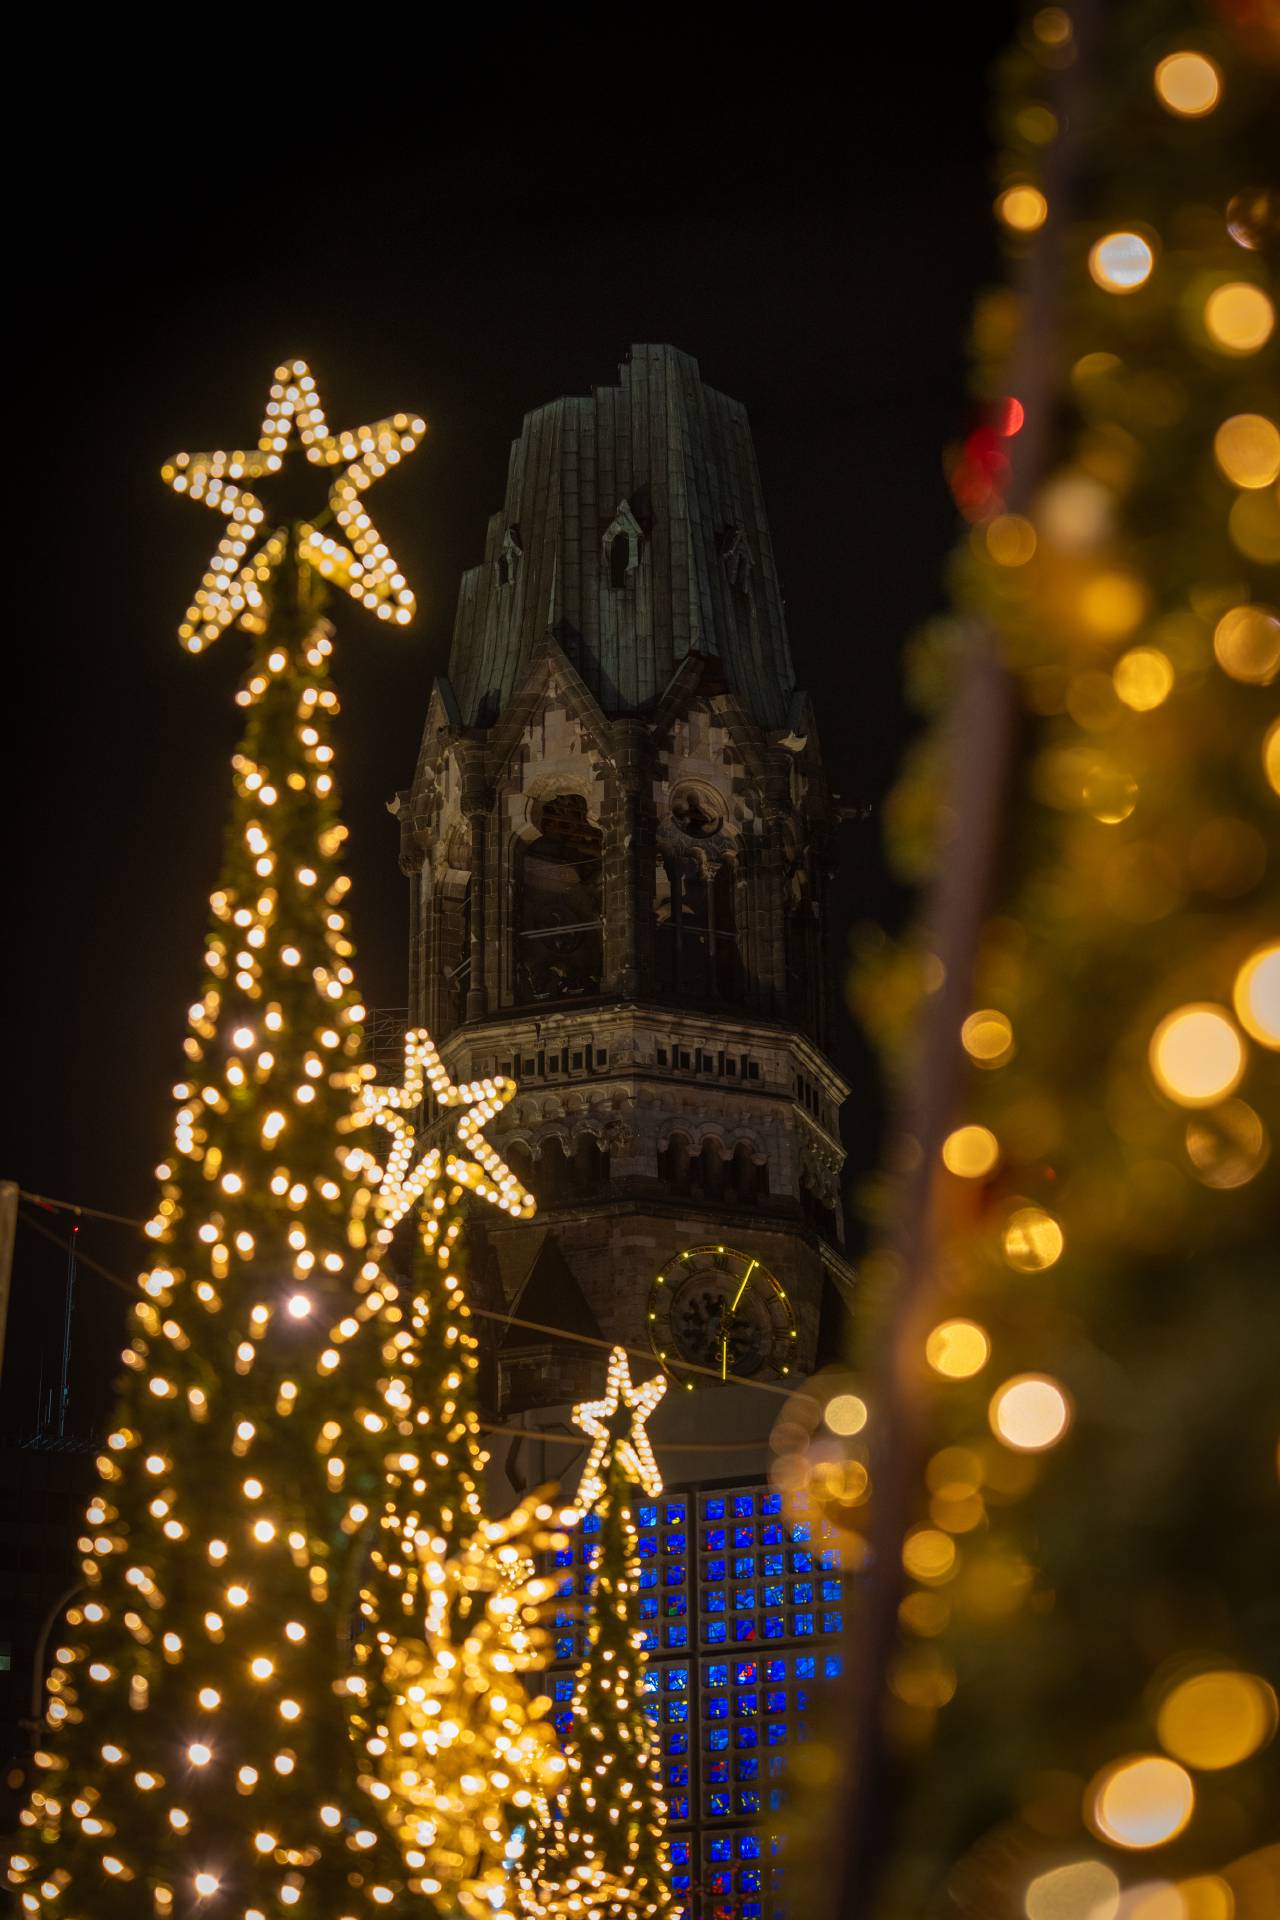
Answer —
719 1309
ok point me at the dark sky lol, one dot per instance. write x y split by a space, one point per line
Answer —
470 232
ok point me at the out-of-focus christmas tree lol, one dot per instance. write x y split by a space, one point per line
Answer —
601 1849
1069 1638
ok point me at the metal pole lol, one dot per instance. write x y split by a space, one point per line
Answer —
69 1309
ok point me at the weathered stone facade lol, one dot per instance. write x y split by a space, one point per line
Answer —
615 839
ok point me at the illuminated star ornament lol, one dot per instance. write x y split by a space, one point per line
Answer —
342 543
400 1181
616 1424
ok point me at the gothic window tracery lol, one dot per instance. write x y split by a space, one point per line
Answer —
508 562
558 930
695 907
621 545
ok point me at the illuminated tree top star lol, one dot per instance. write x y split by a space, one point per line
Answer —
617 1424
478 1166
341 544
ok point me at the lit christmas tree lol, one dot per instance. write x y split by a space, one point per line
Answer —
199 1755
602 1849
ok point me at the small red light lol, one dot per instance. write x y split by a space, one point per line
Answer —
1012 413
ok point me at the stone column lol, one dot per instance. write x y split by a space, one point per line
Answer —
628 864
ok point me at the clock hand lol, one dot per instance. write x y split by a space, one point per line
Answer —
742 1289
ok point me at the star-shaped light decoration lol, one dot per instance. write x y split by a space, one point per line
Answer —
400 1182
353 554
616 1424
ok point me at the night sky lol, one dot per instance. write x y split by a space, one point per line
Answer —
811 223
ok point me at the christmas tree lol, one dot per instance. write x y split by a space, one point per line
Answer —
601 1852
198 1752
1064 1661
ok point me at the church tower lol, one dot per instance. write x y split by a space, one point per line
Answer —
615 839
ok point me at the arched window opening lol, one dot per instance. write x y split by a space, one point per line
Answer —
510 557
750 1178
623 542
455 949
559 920
674 1164
588 1168
696 937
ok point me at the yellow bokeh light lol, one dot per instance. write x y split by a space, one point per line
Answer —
1032 1240
846 1413
971 1152
1256 995
1154 1900
928 1554
1189 84
1227 1145
1254 525
1271 755
1246 642
1112 605
1029 1413
1084 1890
1141 1802
1239 317
1207 1897
1121 262
1196 1055
1247 449
1143 678
957 1349
1011 540
1217 1719
1023 208
987 1037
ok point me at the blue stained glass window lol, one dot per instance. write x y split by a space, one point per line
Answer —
744 1536
649 1640
720 1847
745 1673
717 1707
713 1600
748 1846
775 1733
802 1625
748 1767
678 1775
676 1680
714 1632
831 1590
745 1703
675 1513
771 1503
717 1773
802 1592
680 1852
678 1806
565 1590
749 1880
717 1673
648 1545
563 1557
676 1543
833 1666
648 1609
563 1687
775 1670
674 1574
743 1505
832 1622
802 1699
775 1702
681 1883
713 1539
744 1599
774 1594
744 1567
721 1883
801 1531
715 1569
676 1711
802 1563
648 1577
715 1509
591 1524
772 1535
564 1646
650 1709
806 1667
751 1910
718 1806
773 1566
777 1764
829 1560
746 1800
744 1630
652 1680
677 1741
562 1723
745 1735
678 1637
717 1739
675 1606
775 1626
